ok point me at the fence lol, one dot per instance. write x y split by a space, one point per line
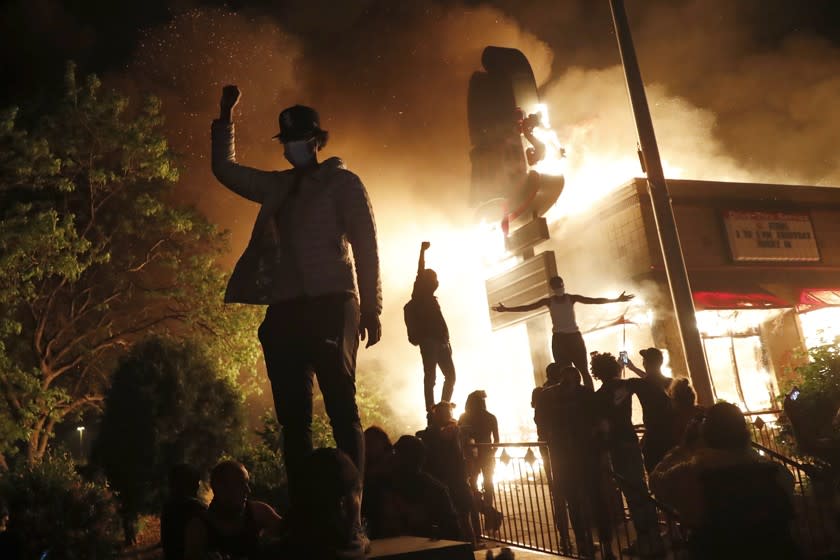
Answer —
525 497
764 429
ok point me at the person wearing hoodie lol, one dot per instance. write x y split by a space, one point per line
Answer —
298 263
734 502
427 329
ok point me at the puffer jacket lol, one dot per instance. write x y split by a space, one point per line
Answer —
329 212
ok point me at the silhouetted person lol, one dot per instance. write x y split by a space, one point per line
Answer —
574 444
736 503
614 402
326 527
478 426
657 407
233 525
298 263
565 414
567 345
686 411
541 402
651 370
416 502
427 329
379 466
445 461
181 507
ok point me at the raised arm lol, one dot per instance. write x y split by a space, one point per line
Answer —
635 369
247 182
502 308
421 262
584 299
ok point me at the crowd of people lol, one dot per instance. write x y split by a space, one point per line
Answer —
421 485
438 483
698 462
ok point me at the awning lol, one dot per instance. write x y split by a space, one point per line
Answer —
738 300
815 298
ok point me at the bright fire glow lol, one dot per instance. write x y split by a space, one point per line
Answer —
736 356
497 362
554 162
725 322
821 326
517 468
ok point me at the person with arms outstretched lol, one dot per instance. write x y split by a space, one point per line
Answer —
567 345
427 329
298 263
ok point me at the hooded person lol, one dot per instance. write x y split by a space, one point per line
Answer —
427 329
298 263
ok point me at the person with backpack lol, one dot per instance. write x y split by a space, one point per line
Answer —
427 329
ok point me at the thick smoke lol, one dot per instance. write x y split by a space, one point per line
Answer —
395 106
731 100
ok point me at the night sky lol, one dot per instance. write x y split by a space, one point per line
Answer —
739 90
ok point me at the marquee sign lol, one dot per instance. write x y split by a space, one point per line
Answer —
771 236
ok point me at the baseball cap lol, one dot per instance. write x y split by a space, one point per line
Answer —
651 354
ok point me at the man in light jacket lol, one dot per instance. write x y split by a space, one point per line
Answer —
298 264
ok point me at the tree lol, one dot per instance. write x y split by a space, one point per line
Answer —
94 255
167 404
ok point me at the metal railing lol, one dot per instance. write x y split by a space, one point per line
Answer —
764 429
524 509
532 515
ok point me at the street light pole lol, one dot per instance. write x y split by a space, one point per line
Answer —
81 430
660 200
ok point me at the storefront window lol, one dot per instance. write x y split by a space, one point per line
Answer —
821 326
738 362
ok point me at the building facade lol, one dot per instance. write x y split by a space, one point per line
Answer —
764 266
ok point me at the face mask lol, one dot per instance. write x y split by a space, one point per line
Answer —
299 153
560 291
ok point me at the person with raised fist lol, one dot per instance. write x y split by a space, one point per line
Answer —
298 263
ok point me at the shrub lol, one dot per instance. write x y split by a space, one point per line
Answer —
818 403
52 508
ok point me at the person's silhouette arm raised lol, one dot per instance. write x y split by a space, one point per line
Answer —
584 299
247 182
636 369
502 308
421 262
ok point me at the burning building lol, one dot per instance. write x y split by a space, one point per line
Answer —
763 262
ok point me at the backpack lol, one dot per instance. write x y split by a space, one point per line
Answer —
410 315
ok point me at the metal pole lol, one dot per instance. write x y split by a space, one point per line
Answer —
660 200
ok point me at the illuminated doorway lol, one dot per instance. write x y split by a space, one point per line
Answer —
739 364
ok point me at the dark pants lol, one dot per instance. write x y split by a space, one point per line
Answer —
576 485
484 463
627 465
654 447
320 335
569 348
436 354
